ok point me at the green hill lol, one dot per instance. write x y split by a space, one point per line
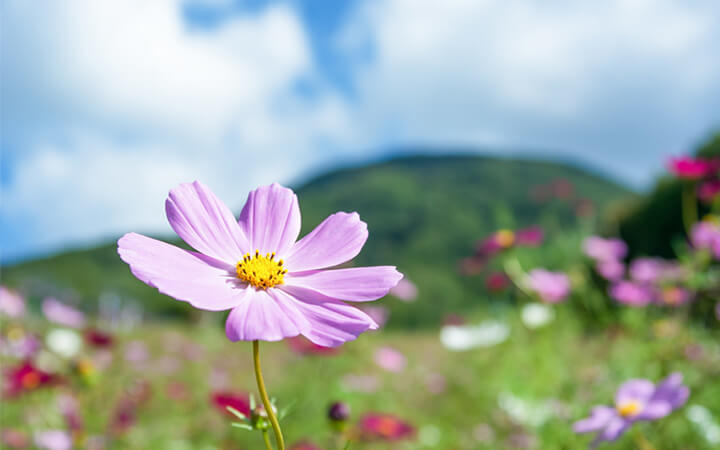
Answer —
424 214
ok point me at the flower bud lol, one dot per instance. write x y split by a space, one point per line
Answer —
339 414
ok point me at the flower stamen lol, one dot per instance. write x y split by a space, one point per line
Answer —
261 271
628 409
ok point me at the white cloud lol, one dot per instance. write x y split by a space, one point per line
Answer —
620 81
113 103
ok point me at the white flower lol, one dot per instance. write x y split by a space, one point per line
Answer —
705 423
523 411
465 337
63 342
536 315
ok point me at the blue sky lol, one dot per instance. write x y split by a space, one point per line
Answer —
107 105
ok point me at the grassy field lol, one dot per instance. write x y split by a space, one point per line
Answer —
522 393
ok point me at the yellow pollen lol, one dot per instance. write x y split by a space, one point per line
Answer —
628 409
261 271
505 238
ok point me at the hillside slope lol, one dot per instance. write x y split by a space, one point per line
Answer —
424 214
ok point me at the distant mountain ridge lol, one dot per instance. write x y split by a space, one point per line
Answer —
424 213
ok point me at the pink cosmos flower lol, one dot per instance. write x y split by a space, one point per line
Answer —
274 286
62 314
706 235
602 249
390 359
647 270
497 282
689 168
551 287
631 293
12 304
379 314
53 440
530 236
611 270
302 346
405 290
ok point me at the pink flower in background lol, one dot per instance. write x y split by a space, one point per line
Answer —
631 293
13 438
24 378
405 290
530 237
636 400
361 383
611 270
274 286
12 304
62 314
708 190
239 401
689 168
435 383
304 445
675 296
602 249
647 270
379 314
136 352
98 339
497 282
390 359
551 287
303 346
53 440
706 235
384 427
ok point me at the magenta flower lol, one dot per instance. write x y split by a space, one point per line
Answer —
530 236
611 270
62 314
708 191
601 249
274 286
689 168
636 400
551 287
384 427
632 293
238 401
497 282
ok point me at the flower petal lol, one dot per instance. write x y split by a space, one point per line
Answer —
635 390
599 418
200 280
267 316
332 321
655 410
271 219
338 239
357 284
614 428
205 223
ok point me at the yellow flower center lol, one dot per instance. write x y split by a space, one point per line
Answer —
628 409
261 271
505 238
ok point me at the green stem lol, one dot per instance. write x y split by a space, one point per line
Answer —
266 401
642 442
689 206
266 439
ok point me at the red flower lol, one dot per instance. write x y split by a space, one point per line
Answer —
530 236
386 427
25 377
303 346
241 402
497 282
689 168
97 338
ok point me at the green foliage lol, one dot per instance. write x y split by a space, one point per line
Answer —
425 213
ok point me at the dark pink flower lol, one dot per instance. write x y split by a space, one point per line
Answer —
632 293
384 427
25 377
708 191
97 338
689 168
274 286
530 236
497 282
239 401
